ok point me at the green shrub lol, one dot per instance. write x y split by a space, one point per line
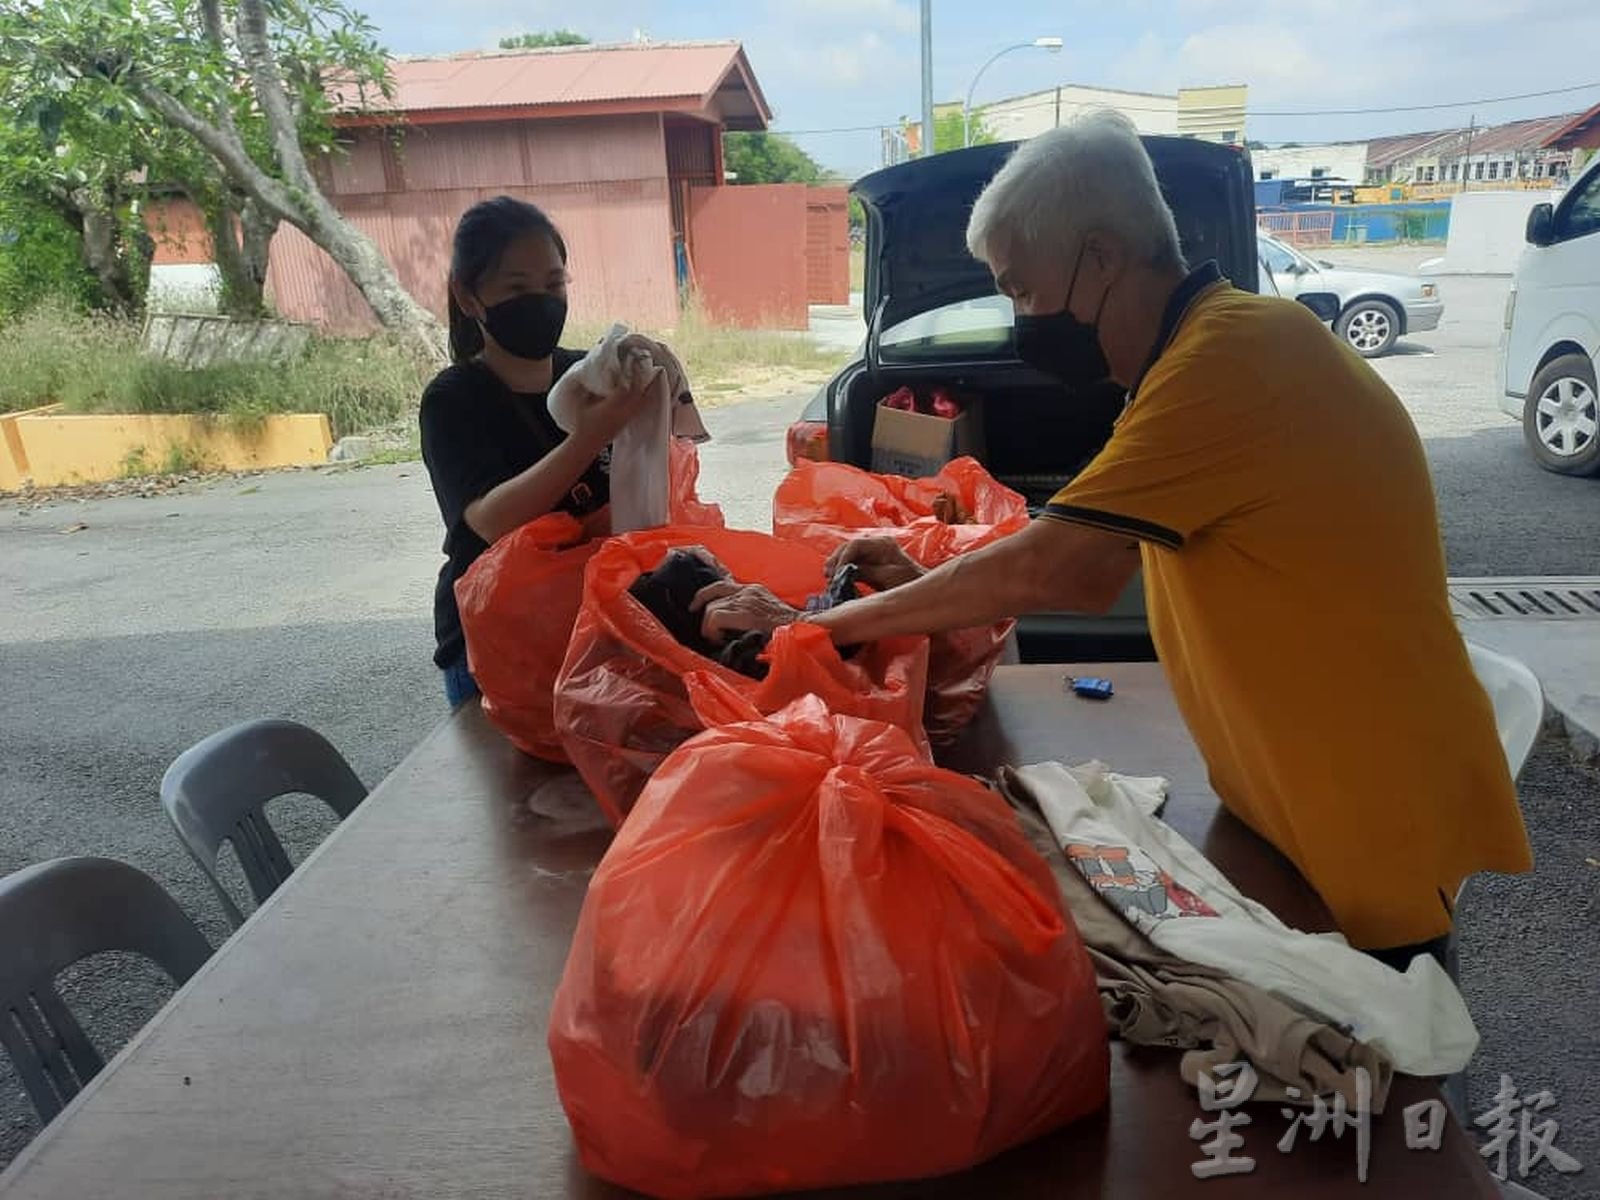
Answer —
93 364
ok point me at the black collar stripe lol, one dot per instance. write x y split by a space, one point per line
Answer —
1185 294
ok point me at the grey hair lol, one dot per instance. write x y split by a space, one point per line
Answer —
1091 176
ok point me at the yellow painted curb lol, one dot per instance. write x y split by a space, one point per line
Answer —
54 448
13 455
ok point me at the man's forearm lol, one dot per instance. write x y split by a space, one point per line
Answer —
1047 565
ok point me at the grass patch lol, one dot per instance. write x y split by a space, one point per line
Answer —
858 268
136 464
94 364
723 359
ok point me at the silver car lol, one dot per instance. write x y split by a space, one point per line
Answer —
1369 309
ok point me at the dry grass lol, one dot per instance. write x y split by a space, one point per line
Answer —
726 364
858 268
56 354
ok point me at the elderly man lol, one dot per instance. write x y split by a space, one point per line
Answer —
1276 494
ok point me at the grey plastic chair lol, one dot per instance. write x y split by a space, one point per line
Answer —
53 915
217 792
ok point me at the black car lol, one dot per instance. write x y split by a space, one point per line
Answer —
934 319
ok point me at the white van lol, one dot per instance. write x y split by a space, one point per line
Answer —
1552 340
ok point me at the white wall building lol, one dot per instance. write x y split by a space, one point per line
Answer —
1343 160
1022 117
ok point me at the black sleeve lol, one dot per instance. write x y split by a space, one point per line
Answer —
462 458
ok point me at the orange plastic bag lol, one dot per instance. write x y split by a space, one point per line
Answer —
621 703
519 601
812 959
825 505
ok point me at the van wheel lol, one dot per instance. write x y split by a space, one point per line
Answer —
1560 419
1370 326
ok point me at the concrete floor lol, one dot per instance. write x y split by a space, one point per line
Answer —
307 596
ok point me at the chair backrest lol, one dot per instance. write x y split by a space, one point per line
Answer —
53 915
217 791
1517 698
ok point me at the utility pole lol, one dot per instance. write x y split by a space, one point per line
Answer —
927 77
1058 106
1466 159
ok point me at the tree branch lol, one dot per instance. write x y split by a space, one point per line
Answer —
272 95
211 17
225 147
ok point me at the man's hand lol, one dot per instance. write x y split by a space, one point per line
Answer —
881 562
733 608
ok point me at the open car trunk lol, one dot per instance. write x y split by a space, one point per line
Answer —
934 320
1036 437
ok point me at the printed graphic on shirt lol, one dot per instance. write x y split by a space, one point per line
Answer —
1129 879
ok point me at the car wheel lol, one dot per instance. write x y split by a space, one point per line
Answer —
1370 326
1561 419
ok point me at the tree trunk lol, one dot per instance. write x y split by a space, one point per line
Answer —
367 268
242 284
256 227
313 214
106 252
295 197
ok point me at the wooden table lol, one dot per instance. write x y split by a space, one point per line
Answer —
378 1028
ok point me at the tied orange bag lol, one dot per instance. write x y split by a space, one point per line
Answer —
825 505
621 704
518 603
812 959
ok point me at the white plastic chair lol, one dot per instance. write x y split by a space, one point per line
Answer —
1517 698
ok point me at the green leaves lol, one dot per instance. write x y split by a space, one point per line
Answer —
768 158
539 41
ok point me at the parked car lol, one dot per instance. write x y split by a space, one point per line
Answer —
1552 337
934 319
1369 309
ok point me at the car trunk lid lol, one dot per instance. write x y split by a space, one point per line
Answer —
917 258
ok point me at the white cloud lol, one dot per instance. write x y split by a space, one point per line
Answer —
892 15
1271 58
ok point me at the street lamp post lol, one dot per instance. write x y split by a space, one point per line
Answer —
1052 44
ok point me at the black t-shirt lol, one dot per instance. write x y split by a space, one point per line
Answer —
476 434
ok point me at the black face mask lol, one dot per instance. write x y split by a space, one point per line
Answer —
1061 345
527 326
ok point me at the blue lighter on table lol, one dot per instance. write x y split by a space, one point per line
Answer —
1091 688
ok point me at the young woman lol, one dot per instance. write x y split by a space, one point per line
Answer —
496 458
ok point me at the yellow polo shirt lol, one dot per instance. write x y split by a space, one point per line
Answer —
1295 583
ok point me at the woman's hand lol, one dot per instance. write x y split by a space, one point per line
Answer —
880 560
600 420
734 608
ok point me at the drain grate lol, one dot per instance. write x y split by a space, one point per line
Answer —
1546 599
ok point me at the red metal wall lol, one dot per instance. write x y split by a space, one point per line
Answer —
603 180
179 231
828 246
747 249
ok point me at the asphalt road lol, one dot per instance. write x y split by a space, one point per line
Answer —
306 595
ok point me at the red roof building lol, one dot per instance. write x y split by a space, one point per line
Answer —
610 141
620 145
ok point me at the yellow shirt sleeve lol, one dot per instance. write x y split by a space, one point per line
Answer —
1197 445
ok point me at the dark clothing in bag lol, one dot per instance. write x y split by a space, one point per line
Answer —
668 591
1151 998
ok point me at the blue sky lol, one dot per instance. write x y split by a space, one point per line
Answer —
826 64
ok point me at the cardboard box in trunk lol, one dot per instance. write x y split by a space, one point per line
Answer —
918 444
